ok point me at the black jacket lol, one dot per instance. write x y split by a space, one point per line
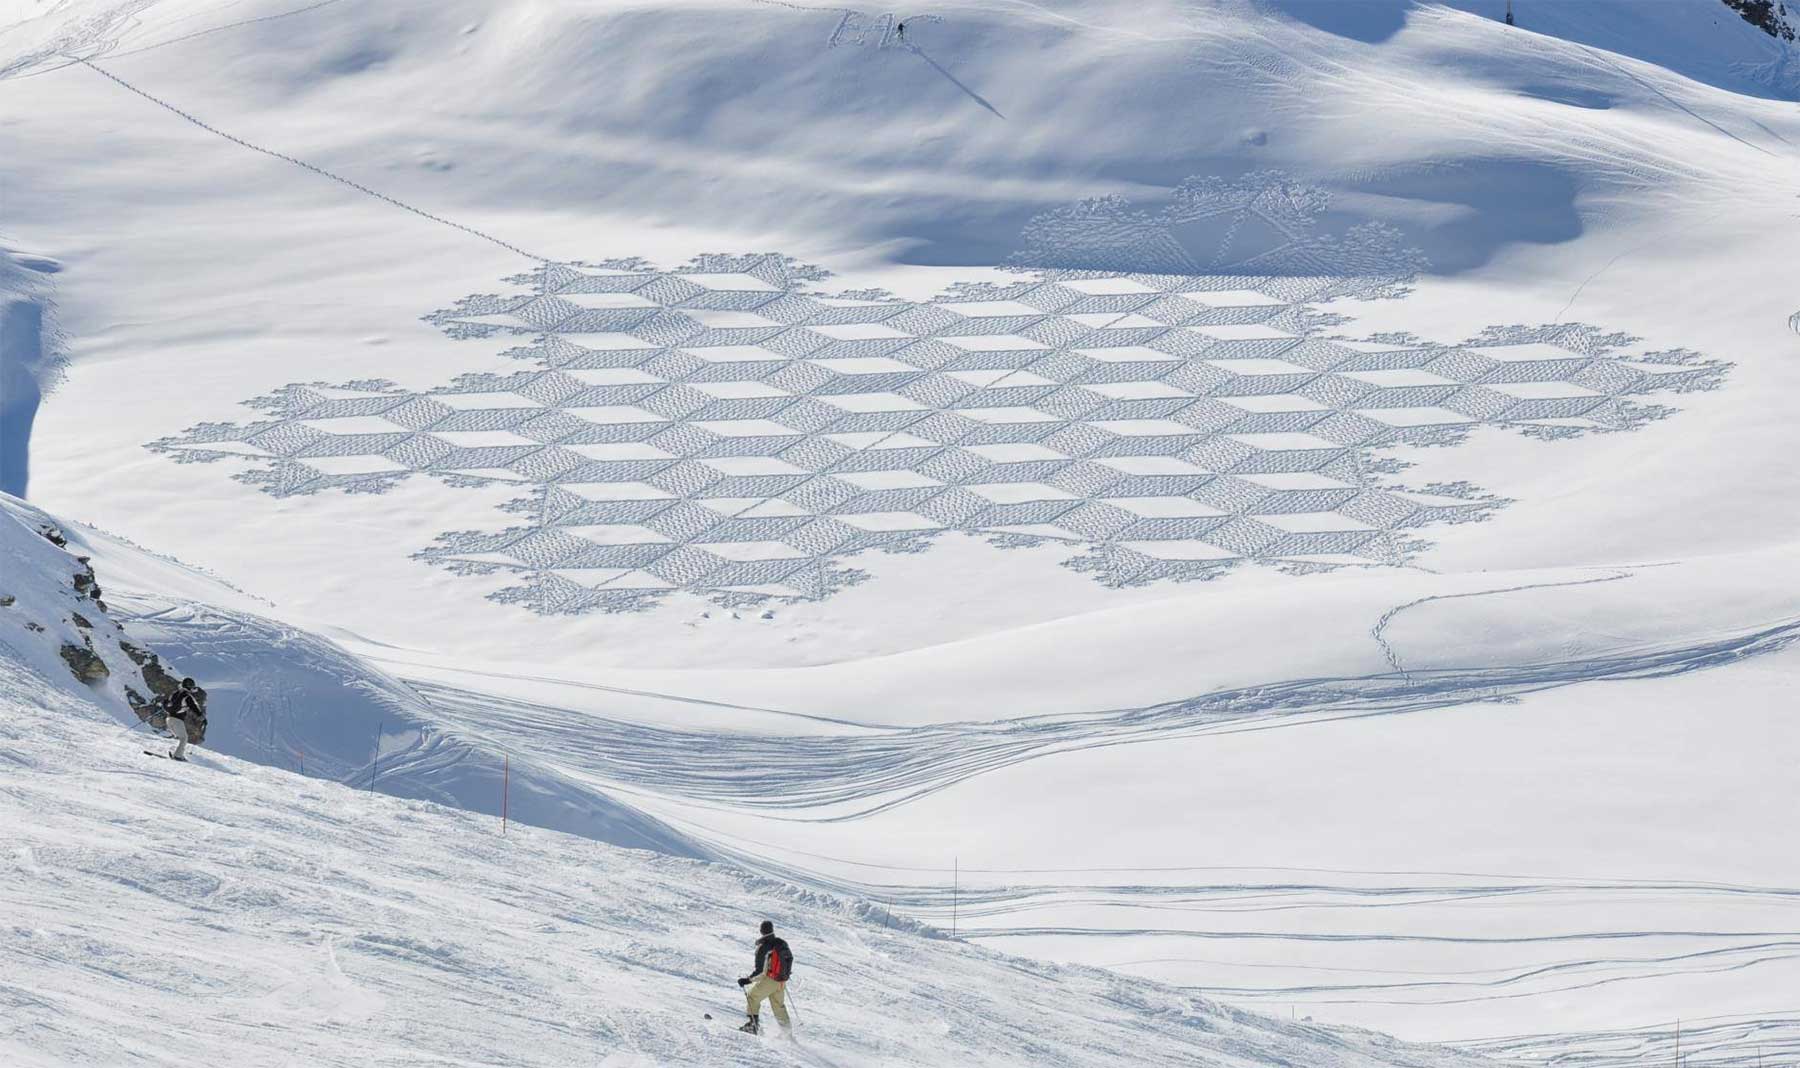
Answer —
181 703
770 943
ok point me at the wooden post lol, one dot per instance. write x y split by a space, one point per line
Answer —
375 765
505 788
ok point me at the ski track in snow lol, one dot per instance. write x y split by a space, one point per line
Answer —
1720 1040
302 164
1379 630
1347 926
303 916
849 776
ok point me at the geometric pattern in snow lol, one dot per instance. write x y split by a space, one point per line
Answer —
721 429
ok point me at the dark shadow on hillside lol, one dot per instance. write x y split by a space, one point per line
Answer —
21 352
954 80
1461 214
29 361
1369 21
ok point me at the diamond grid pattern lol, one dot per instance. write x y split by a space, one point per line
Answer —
720 429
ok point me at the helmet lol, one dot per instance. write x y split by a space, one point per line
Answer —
188 684
768 928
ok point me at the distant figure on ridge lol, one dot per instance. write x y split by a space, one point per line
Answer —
774 964
184 717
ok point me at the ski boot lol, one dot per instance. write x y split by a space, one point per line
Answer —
751 1027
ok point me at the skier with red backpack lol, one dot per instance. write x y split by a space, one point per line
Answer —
774 964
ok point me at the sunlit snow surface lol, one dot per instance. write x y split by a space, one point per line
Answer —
225 913
729 429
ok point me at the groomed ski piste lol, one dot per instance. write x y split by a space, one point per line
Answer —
226 912
1085 513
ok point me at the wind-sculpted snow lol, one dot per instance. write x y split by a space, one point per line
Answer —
1268 937
727 429
848 776
289 699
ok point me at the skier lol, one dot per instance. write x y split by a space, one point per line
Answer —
774 964
184 719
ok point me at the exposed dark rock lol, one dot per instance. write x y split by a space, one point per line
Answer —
7 600
35 628
161 683
84 662
81 621
54 536
1769 16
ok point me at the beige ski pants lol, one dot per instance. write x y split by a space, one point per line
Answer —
775 992
178 727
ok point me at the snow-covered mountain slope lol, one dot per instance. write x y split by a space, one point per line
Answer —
295 700
861 156
223 912
1244 455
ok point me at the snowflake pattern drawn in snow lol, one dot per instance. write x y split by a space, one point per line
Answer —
723 428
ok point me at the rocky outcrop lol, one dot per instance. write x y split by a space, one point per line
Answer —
58 594
1770 16
84 662
161 683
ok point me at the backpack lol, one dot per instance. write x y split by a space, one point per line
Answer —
781 962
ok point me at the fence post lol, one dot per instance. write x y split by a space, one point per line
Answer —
375 765
505 789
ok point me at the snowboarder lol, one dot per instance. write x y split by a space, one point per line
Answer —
774 964
184 719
